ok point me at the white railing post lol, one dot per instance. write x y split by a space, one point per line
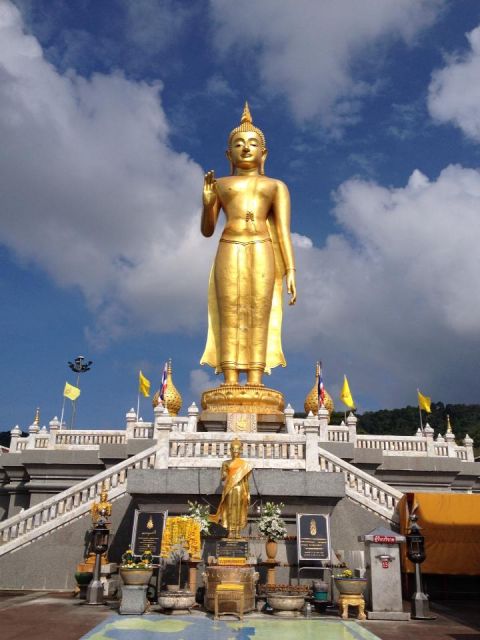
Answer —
323 424
15 434
311 427
131 420
429 433
468 442
289 413
451 444
163 427
33 429
53 426
352 429
192 418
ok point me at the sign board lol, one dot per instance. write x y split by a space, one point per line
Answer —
148 531
232 549
313 537
384 539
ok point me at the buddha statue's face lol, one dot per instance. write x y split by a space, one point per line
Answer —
235 450
245 151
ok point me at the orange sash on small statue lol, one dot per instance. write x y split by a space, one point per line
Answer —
237 470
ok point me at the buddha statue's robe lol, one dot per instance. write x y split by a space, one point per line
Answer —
235 500
245 305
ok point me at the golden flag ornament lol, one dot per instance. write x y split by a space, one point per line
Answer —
143 385
424 402
71 392
345 395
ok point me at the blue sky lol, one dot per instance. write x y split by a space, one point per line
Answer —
110 113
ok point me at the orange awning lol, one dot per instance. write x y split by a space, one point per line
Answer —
450 523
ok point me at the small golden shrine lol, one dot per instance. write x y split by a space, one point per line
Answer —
311 401
173 398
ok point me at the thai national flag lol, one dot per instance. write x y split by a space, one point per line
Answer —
163 386
321 388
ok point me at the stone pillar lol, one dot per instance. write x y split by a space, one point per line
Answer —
192 418
429 433
382 558
289 413
352 428
33 429
54 426
451 444
323 418
131 420
15 434
468 442
163 427
311 426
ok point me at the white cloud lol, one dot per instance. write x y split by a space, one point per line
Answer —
200 381
79 155
396 305
454 93
312 52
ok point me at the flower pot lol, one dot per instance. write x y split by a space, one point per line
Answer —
176 601
286 606
350 586
271 550
136 576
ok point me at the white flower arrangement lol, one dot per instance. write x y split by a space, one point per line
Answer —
271 524
200 513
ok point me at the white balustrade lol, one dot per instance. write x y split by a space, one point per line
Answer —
400 445
338 434
279 450
368 491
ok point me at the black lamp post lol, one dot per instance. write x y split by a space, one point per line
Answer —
416 554
100 535
78 366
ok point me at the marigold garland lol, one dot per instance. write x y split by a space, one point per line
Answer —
178 530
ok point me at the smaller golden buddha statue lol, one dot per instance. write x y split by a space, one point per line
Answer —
102 509
233 508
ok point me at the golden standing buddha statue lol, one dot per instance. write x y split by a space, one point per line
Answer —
233 508
254 255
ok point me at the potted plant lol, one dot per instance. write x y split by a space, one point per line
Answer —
133 572
348 584
273 527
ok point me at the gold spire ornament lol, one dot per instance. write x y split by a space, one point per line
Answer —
311 401
36 420
246 124
449 426
173 399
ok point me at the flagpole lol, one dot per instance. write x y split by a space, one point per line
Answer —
420 412
138 405
63 411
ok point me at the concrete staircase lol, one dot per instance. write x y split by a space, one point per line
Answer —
60 510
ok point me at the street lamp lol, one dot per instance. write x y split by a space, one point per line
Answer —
416 554
100 535
78 366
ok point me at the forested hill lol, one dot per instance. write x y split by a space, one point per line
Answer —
464 418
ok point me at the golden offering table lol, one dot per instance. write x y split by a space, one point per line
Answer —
228 594
244 576
348 600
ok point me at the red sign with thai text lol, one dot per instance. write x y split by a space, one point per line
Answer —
384 539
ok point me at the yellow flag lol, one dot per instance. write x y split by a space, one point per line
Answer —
345 395
424 402
143 385
71 392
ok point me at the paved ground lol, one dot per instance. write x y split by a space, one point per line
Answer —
40 615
